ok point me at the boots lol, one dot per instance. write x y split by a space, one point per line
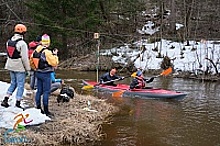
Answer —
46 111
5 102
41 110
18 104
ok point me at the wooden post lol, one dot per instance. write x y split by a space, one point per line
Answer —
96 36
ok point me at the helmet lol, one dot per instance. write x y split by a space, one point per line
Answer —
139 73
20 28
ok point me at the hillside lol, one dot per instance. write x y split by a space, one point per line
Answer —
71 24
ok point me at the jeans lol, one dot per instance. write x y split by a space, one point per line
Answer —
55 86
43 88
33 80
17 81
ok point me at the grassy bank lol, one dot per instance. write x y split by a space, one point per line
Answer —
74 122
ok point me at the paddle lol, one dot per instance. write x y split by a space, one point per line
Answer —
87 87
166 72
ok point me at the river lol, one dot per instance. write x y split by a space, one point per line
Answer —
191 121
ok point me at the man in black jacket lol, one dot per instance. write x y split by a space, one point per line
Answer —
109 76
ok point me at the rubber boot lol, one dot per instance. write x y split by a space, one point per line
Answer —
46 111
18 104
41 110
5 102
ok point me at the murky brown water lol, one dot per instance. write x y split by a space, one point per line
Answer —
192 121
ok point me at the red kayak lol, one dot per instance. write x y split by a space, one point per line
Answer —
143 93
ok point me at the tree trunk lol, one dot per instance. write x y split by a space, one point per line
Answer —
105 15
173 18
188 12
65 51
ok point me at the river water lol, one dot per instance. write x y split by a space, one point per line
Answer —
191 121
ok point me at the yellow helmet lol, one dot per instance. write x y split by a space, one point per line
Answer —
20 28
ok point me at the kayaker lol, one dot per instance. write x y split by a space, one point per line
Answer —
139 81
109 76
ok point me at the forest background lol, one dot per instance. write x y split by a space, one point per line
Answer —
72 23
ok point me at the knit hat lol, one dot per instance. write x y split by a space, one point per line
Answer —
45 39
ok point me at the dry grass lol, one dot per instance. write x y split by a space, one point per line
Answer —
71 125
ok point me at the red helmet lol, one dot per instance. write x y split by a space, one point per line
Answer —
20 28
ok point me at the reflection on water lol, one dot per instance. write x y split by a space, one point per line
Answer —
192 121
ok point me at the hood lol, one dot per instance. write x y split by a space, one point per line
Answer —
16 36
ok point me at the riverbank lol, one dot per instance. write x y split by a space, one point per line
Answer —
74 122
89 63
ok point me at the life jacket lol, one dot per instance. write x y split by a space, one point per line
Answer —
141 82
12 51
38 59
31 47
137 82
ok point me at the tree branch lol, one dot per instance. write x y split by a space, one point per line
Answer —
211 61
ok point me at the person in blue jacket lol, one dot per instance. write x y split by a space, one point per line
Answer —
56 83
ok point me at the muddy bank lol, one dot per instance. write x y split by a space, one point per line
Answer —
74 123
196 76
89 63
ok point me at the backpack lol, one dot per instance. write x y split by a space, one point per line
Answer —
35 58
12 51
65 94
31 47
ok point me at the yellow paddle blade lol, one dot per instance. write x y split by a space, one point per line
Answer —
134 75
87 87
118 94
166 72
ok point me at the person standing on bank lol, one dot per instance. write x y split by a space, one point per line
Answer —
48 61
17 63
31 47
